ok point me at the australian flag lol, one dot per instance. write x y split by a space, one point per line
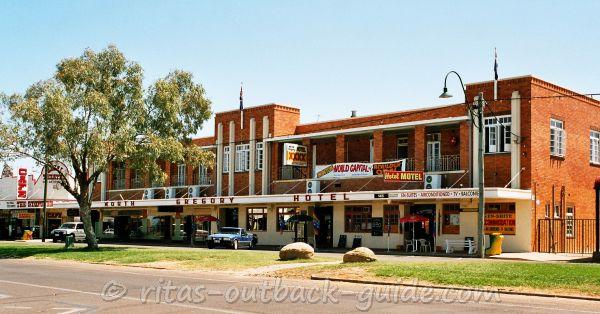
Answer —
495 65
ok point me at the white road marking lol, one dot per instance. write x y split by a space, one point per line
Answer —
69 310
4 296
14 307
125 297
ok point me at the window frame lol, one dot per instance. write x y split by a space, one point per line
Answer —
118 176
558 138
226 159
447 210
242 157
498 134
570 221
391 217
594 147
264 214
363 212
292 210
181 175
259 155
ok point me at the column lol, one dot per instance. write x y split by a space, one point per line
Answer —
340 148
251 174
475 149
463 138
515 147
266 157
231 175
378 146
219 169
309 157
419 148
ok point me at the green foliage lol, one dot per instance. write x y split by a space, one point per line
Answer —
95 111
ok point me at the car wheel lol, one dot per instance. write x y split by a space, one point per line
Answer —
210 245
251 245
234 245
54 240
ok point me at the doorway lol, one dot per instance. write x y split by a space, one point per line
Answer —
426 230
231 217
433 152
324 234
122 227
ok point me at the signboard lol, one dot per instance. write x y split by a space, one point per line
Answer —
33 204
357 169
500 222
22 184
72 212
294 155
25 215
403 176
53 215
381 195
377 226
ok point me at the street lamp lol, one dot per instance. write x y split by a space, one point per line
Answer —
479 125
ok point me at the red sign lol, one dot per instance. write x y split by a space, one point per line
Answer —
22 183
403 176
53 215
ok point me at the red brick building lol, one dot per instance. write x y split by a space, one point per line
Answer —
542 154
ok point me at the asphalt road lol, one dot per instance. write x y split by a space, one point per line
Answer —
68 287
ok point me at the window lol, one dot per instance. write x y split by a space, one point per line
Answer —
497 134
283 214
556 211
391 216
451 219
402 149
118 176
558 138
242 157
137 179
547 214
181 175
570 221
226 159
358 218
200 176
259 156
256 219
595 147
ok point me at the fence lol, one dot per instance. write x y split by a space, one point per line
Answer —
566 235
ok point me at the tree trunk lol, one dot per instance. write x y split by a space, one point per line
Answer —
85 212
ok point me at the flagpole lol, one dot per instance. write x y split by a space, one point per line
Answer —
241 106
495 74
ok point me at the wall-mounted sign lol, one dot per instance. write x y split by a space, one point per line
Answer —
22 184
357 169
403 176
34 204
377 226
25 215
500 222
381 195
294 155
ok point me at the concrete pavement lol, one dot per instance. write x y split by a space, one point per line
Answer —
70 287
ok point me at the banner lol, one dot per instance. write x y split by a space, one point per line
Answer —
500 222
403 176
22 184
294 155
357 169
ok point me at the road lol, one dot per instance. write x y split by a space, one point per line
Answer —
28 285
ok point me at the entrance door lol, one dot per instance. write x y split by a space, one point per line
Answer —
231 217
167 227
433 152
324 236
122 228
423 230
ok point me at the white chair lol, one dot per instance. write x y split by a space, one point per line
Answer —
408 243
424 245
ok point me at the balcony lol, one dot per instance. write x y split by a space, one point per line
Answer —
291 173
178 180
443 163
202 180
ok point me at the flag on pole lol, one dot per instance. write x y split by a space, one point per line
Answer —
495 74
241 106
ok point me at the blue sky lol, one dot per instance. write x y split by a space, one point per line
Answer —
325 57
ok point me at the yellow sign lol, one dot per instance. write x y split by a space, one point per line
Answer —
500 222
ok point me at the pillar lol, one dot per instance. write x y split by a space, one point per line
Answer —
515 147
231 174
266 157
419 147
309 157
219 169
251 174
340 148
378 146
463 139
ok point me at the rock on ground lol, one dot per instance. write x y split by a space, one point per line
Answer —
360 254
296 250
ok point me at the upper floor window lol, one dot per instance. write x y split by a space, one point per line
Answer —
402 149
137 179
226 159
497 134
181 175
242 157
259 156
201 176
118 182
558 138
595 147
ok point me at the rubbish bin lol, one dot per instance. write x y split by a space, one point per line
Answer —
69 241
495 244
27 235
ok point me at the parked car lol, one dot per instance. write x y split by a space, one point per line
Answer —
232 237
68 228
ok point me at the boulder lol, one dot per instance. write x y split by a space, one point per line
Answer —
359 254
296 250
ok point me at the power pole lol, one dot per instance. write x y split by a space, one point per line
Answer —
481 211
43 227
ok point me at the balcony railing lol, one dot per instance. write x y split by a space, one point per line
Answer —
443 163
203 180
178 180
291 173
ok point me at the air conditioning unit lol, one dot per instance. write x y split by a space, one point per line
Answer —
148 194
313 186
193 191
433 181
170 192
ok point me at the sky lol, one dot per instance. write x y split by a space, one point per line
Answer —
324 57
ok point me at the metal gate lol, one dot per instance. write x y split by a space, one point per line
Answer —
566 235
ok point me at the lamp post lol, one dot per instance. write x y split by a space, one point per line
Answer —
480 171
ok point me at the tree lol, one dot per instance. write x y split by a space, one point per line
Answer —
94 112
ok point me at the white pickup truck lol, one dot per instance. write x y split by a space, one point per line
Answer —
68 228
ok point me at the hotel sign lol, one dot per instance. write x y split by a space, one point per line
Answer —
357 169
500 222
403 176
294 155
